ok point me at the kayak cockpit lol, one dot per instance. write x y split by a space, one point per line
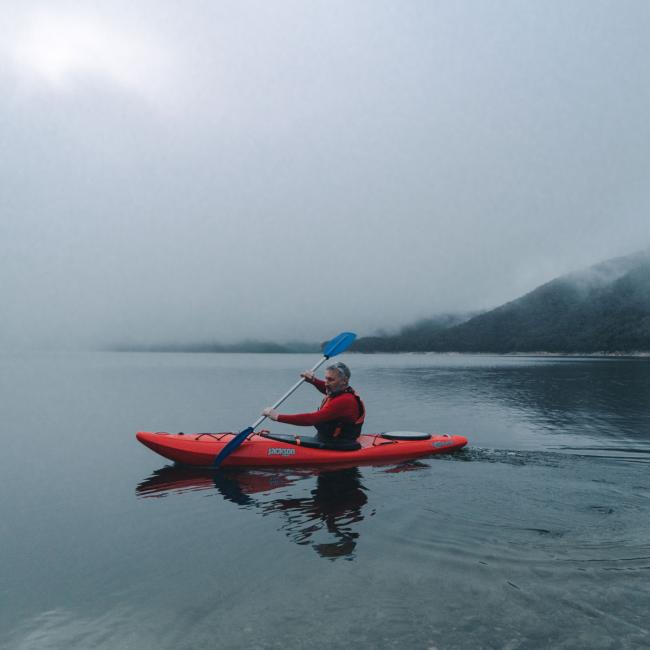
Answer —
312 442
353 445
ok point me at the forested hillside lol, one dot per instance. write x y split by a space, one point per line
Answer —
605 308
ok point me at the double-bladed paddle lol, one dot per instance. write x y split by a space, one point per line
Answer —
337 345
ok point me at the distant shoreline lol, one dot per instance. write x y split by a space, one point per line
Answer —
279 349
638 353
247 347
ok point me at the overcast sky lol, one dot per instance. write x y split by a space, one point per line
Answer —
207 170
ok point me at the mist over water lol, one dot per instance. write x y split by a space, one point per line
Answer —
535 536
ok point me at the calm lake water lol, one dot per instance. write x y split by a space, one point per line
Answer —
536 536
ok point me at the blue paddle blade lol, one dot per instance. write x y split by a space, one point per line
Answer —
339 344
231 446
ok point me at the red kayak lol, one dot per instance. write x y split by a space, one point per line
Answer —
265 449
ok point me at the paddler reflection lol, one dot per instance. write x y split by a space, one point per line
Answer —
328 519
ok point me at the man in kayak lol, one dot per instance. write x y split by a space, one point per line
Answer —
341 414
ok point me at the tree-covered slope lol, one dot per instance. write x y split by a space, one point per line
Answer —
418 337
604 308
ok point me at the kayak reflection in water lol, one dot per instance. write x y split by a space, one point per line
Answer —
339 418
327 519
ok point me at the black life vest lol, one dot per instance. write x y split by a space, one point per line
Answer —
337 430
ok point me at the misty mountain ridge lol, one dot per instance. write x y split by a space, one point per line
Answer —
604 308
418 336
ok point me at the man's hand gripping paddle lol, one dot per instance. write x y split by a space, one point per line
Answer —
337 345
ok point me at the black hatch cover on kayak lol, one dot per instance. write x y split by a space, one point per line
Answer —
406 435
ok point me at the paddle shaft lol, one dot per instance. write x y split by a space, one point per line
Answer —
288 393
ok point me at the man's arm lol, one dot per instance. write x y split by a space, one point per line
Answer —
310 378
339 409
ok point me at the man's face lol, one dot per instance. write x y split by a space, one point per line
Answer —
334 381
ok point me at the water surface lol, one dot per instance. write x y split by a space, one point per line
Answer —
537 535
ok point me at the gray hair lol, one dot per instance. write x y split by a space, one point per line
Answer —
341 369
